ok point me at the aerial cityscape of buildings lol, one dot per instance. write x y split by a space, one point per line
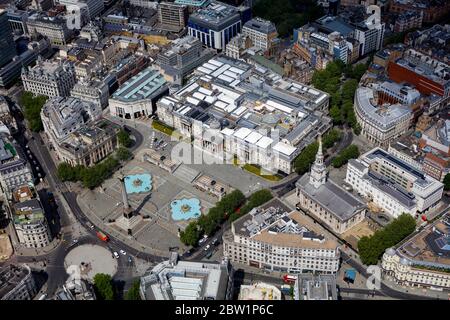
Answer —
214 150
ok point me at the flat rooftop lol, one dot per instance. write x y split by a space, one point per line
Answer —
245 101
10 277
186 280
259 291
142 86
430 247
216 15
276 224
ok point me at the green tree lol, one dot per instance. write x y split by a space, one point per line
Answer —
191 234
287 14
124 138
32 110
133 292
336 115
333 136
351 152
257 199
306 158
447 182
348 89
103 286
207 224
358 71
371 248
123 154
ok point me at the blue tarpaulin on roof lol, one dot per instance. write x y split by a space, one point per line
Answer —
350 274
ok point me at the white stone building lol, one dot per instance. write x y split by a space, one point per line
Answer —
326 201
29 219
232 109
50 79
137 97
94 91
17 283
391 184
273 238
62 117
261 32
423 261
380 124
14 169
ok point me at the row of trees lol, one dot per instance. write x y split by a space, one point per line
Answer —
230 206
372 248
255 200
447 182
287 14
105 288
207 224
94 176
341 94
32 110
307 156
351 152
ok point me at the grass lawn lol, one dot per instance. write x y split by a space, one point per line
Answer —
162 127
257 170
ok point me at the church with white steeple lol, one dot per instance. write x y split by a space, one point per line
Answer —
318 175
327 201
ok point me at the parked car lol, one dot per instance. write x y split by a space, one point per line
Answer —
116 255
207 247
209 255
122 252
215 242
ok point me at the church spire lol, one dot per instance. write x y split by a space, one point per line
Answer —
318 175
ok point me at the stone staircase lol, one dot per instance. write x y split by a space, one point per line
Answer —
185 173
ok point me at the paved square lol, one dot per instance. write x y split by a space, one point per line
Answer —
158 230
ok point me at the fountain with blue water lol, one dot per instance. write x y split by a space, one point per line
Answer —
185 209
138 183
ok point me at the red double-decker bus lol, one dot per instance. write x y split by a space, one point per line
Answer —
289 279
102 236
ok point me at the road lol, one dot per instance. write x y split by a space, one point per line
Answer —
384 290
68 212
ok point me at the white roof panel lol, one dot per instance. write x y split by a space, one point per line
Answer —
284 148
225 78
204 70
198 95
209 66
227 131
253 137
215 62
264 142
192 100
279 106
241 133
205 91
236 70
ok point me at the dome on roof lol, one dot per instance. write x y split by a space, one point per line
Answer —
224 123
390 251
215 124
270 118
404 261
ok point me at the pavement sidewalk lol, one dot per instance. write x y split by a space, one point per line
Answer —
36 252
